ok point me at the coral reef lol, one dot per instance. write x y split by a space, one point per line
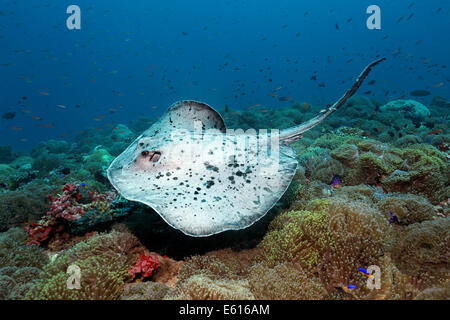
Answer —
372 192
145 266
104 261
20 264
286 281
67 208
145 291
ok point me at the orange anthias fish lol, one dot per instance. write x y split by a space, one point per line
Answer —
277 88
46 125
254 106
272 95
16 128
437 131
306 106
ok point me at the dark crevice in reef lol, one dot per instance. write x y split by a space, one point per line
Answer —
158 236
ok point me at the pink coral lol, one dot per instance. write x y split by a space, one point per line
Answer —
145 266
65 207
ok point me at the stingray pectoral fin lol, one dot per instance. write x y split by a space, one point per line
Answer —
184 114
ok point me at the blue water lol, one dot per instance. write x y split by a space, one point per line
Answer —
133 57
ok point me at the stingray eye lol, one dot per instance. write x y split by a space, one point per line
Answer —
144 153
155 156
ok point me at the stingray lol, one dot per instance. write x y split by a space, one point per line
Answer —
202 178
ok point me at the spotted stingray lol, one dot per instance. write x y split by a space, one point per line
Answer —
204 179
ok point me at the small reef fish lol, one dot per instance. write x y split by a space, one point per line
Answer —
16 128
392 218
306 106
420 93
437 85
336 182
272 95
61 106
285 98
9 115
437 131
277 88
44 93
349 287
365 272
46 125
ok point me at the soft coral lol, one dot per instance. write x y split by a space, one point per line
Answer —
145 266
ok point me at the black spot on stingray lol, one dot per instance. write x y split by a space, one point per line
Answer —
239 173
196 192
198 188
203 200
175 178
209 184
195 198
168 174
211 167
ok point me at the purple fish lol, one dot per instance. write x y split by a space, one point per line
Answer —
392 219
336 181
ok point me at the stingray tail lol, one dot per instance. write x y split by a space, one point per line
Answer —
293 134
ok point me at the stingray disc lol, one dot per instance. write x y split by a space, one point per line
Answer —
199 177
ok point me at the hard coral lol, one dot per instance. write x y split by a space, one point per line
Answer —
201 287
104 261
145 291
286 281
20 264
331 238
